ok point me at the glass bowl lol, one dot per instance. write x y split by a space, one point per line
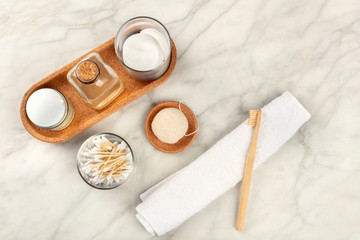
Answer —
136 25
83 156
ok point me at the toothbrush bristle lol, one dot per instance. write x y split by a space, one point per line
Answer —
252 118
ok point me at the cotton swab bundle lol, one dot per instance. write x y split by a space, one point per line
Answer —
106 162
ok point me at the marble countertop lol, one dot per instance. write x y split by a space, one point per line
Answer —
232 56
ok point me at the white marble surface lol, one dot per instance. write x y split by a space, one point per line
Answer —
232 56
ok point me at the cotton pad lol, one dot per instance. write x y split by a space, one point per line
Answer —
142 52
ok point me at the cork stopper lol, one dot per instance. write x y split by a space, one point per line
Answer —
87 71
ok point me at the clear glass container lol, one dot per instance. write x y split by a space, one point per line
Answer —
82 160
137 25
95 81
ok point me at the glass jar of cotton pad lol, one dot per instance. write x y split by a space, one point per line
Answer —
105 161
47 108
143 46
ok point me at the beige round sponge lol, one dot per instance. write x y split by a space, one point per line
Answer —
169 125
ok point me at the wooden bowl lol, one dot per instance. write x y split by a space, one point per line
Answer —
184 142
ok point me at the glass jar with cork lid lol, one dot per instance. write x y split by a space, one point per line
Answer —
95 81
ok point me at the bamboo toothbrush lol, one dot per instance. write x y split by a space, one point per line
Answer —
254 121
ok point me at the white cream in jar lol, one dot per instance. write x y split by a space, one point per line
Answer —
47 108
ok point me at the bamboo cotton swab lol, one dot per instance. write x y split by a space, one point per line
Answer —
254 121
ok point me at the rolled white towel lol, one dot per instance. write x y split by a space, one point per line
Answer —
172 201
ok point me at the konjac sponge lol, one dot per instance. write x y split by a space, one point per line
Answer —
169 125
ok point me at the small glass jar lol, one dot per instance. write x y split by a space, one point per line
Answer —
95 81
47 108
86 161
153 34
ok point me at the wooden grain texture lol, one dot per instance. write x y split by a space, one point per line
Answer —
249 166
85 116
185 141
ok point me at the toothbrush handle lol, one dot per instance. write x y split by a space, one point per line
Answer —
249 166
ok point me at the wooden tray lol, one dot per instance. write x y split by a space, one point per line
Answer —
85 116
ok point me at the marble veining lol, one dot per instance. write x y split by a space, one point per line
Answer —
232 56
